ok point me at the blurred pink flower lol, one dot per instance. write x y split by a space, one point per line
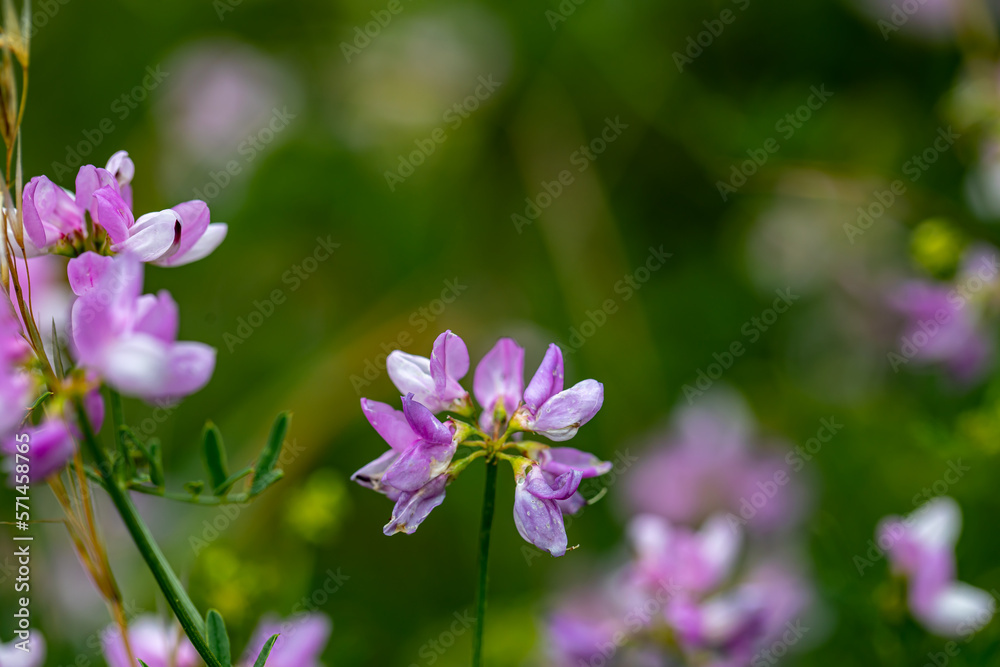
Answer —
711 461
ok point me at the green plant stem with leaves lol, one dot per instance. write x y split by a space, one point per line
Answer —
209 636
168 582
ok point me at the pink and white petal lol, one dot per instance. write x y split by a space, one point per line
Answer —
158 316
203 247
958 611
152 237
86 271
191 366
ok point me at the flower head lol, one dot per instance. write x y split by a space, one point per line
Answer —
421 462
56 219
130 338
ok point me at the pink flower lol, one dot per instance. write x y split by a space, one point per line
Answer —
433 382
130 338
12 656
153 641
300 642
922 548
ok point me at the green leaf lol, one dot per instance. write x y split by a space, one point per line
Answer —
195 488
218 639
269 456
142 663
156 463
214 450
264 652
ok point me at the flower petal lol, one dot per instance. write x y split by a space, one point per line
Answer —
559 460
203 247
424 423
412 508
113 214
370 475
389 423
547 381
153 236
418 465
499 379
86 271
562 415
539 521
550 487
449 363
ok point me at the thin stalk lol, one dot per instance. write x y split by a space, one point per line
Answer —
168 582
485 529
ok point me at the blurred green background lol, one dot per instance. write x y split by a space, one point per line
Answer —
340 122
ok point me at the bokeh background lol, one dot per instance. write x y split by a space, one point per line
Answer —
286 122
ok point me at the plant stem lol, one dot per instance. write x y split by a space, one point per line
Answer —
171 586
485 529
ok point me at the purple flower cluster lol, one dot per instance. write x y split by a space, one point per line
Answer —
421 460
55 220
682 597
921 549
118 336
951 325
705 585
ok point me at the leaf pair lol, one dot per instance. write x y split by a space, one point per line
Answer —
218 641
265 472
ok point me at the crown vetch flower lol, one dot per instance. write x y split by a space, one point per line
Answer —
130 338
172 237
433 382
922 549
551 411
537 514
421 460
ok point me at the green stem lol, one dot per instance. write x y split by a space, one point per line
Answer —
171 586
118 418
485 529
